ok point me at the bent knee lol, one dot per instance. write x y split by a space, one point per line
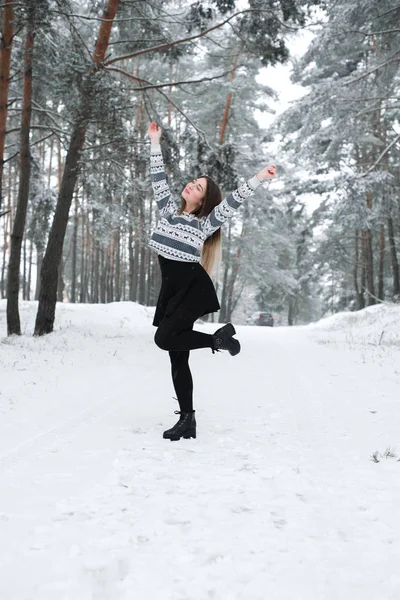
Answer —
161 339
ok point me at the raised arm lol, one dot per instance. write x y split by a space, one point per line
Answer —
233 201
162 193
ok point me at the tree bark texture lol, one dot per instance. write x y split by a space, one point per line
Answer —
7 228
74 249
369 260
363 275
381 272
5 60
48 293
228 101
393 258
13 320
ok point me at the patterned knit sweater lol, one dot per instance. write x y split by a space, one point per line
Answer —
181 237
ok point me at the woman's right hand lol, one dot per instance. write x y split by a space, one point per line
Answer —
154 132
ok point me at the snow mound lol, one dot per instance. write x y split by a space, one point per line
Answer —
85 317
379 324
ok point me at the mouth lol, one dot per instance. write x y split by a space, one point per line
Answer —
186 191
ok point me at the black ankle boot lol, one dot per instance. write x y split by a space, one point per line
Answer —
185 427
223 340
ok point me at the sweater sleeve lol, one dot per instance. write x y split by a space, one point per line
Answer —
227 208
162 193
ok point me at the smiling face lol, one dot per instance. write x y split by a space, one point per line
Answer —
194 194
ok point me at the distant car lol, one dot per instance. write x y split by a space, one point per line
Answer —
263 319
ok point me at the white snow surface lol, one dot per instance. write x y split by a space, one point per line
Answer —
277 498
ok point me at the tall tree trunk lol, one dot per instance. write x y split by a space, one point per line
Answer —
39 262
393 259
228 101
110 273
227 285
5 60
29 282
5 252
83 256
136 259
88 259
118 265
96 283
102 277
74 249
142 275
230 302
13 321
227 262
369 264
47 301
24 274
381 291
60 282
291 310
7 228
142 262
359 294
131 263
363 275
149 260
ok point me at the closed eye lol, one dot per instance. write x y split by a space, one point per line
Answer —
199 186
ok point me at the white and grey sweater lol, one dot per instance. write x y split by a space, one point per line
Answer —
181 237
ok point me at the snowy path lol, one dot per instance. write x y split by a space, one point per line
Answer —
276 499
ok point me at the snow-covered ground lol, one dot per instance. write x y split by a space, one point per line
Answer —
277 498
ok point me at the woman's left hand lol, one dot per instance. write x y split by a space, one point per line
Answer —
267 173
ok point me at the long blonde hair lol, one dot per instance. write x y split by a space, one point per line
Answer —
211 253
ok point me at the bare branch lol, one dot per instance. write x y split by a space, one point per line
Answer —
169 45
46 111
199 131
391 60
102 19
169 84
366 33
136 41
387 12
43 139
55 131
382 154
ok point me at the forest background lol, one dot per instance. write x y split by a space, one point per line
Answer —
79 83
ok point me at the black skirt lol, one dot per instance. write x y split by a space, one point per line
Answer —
184 284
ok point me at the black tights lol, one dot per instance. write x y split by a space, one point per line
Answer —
182 379
175 334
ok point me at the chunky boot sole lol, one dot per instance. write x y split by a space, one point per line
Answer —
236 349
228 342
190 433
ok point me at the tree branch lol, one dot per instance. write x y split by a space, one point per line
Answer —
169 45
86 18
367 33
384 64
55 131
170 84
31 144
387 12
199 131
382 154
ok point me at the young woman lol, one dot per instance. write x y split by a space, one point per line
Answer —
187 240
